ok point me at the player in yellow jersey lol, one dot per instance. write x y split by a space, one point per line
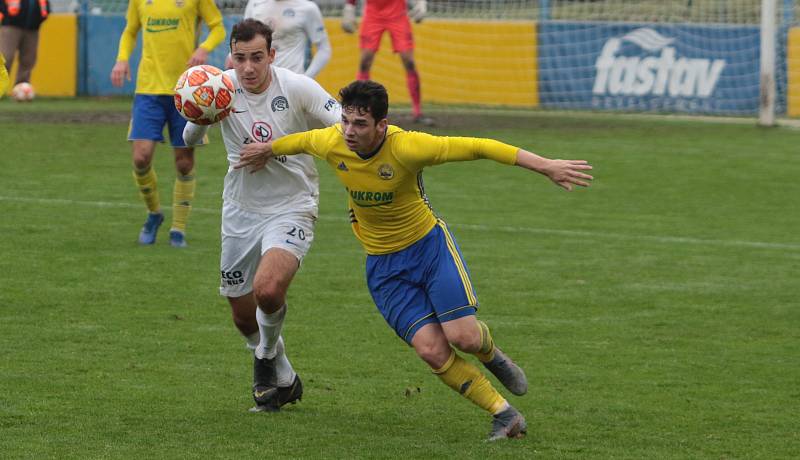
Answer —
168 48
415 271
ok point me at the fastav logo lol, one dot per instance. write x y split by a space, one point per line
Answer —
651 72
262 132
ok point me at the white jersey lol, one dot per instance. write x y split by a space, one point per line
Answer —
295 25
287 183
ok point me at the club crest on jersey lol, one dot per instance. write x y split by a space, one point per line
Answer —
180 3
262 132
289 13
385 171
279 104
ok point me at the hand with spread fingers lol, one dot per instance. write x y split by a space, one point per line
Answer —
564 173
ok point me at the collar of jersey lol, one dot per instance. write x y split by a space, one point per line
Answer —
377 149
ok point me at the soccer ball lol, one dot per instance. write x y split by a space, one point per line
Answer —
204 95
23 92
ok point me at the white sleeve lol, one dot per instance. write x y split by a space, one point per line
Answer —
248 10
321 57
193 134
316 102
315 30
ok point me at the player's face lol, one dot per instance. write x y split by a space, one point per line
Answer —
362 133
251 60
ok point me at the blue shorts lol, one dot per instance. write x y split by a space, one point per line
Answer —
149 115
424 283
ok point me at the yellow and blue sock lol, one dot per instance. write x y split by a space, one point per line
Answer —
486 351
469 382
147 182
182 196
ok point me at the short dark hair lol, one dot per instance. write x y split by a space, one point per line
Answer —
366 96
246 30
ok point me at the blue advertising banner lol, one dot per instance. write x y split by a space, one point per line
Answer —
649 67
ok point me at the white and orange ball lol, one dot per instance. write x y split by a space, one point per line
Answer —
23 92
204 95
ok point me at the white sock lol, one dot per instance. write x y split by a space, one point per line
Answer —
269 328
252 341
283 368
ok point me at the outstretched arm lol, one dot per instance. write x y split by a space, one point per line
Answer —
564 173
193 134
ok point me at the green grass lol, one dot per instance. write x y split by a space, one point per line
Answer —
656 313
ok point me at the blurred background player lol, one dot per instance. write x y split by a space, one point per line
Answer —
169 29
415 271
296 25
268 215
3 76
19 34
389 16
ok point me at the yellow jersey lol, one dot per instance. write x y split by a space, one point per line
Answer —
389 210
168 39
4 81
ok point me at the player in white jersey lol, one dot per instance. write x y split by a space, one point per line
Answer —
268 215
296 25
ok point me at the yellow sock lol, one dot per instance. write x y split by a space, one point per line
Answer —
147 182
182 196
486 352
466 379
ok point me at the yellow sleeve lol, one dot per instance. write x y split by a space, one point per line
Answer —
127 42
316 142
420 149
213 19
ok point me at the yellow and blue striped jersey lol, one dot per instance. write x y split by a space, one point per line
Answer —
388 207
168 39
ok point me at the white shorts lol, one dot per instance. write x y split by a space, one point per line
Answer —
246 236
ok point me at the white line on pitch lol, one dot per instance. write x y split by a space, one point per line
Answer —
478 227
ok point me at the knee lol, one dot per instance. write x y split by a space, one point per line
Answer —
270 295
433 353
184 165
141 159
468 341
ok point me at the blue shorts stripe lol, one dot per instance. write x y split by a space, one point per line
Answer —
459 264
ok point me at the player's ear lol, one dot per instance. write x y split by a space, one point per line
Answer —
271 55
382 124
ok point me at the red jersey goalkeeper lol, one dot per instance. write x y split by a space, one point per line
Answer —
390 16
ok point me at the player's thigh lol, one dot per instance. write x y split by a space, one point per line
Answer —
402 37
369 35
241 250
448 283
402 303
285 241
148 117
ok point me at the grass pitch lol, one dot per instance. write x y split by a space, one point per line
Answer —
655 313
